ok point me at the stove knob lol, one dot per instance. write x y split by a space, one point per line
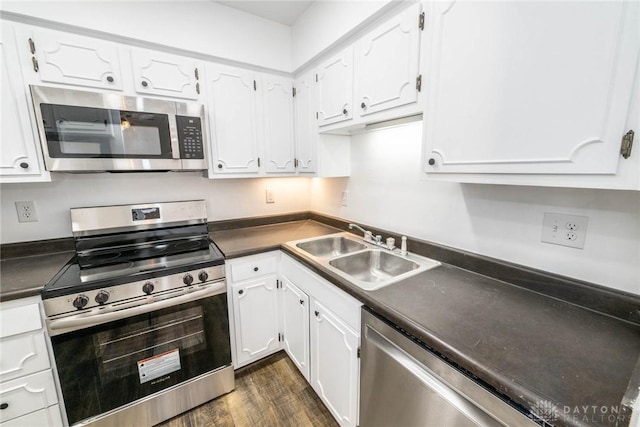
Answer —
203 276
147 288
102 297
80 301
187 279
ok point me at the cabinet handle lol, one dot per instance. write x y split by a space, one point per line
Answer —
24 165
34 61
345 112
432 161
144 83
301 302
317 313
240 292
110 79
363 106
198 88
255 269
219 165
4 405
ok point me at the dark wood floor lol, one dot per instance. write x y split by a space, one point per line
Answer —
268 393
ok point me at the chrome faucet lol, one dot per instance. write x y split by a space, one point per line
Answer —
377 240
367 234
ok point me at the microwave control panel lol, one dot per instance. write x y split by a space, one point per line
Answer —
190 137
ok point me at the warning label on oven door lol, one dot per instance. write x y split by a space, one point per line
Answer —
158 365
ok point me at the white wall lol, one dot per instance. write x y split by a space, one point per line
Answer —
229 198
197 25
387 190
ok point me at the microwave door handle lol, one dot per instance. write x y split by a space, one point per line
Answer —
87 319
173 133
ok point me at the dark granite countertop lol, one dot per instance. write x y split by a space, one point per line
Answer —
25 276
536 350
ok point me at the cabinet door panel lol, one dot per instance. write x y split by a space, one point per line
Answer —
168 75
529 87
76 60
277 94
295 325
18 152
386 64
234 120
255 306
335 88
334 375
27 394
306 128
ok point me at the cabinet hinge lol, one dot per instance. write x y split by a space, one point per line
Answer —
196 74
258 161
32 46
295 163
421 21
198 88
419 83
627 144
279 336
255 87
358 352
34 61
316 115
294 91
316 78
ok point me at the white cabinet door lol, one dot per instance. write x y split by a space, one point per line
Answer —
157 73
71 59
529 87
19 154
387 64
334 88
305 125
335 364
27 394
255 312
295 325
234 119
277 96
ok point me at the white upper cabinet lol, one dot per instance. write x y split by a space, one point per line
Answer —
279 144
529 87
305 125
334 88
157 73
57 57
387 64
20 158
233 113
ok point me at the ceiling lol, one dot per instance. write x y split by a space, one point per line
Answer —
284 12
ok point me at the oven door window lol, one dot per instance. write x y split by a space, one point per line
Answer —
107 366
80 132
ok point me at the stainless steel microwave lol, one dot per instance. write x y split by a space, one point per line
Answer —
83 131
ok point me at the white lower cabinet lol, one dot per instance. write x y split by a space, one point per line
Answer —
295 325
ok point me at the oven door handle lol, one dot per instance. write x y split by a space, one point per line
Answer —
98 316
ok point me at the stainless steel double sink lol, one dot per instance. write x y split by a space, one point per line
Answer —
362 263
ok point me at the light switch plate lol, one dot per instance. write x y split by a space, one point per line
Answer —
565 230
269 196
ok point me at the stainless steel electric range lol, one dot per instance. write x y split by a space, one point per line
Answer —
138 319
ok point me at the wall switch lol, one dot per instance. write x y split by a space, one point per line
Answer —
565 230
27 211
269 195
345 198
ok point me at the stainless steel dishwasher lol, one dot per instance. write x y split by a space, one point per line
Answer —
405 384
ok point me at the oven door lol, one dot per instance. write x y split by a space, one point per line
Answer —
114 364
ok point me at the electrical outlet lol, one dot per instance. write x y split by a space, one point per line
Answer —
27 211
565 230
269 196
345 198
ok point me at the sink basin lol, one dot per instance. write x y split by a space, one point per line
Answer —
374 266
330 247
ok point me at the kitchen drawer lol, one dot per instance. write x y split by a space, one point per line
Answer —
254 266
27 394
49 417
22 355
20 319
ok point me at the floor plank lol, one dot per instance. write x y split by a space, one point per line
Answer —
269 393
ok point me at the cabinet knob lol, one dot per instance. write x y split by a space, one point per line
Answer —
219 165
240 292
110 79
4 405
317 313
345 112
301 302
255 269
363 106
144 83
24 165
432 161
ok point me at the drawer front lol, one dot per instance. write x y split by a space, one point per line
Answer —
49 417
22 355
27 394
18 320
253 267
